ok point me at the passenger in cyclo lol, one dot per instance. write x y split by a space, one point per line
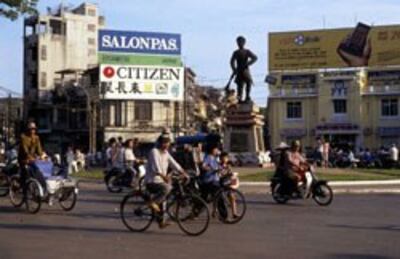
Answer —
30 150
158 181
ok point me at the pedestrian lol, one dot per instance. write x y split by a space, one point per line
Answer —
70 157
394 155
326 148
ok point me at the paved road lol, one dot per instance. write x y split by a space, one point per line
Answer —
355 226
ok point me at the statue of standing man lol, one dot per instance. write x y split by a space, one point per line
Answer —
241 61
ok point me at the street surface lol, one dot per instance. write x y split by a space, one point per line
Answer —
354 226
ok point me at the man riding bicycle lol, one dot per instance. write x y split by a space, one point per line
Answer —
158 182
30 149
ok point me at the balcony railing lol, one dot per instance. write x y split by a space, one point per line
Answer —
381 90
287 93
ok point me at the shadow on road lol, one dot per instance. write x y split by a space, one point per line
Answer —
41 228
358 256
383 227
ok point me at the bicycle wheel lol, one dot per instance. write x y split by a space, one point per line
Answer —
171 205
33 197
67 199
4 185
16 192
224 204
135 213
192 215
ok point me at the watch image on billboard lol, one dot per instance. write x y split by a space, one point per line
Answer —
128 82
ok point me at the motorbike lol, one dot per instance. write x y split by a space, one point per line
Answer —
310 187
7 171
118 179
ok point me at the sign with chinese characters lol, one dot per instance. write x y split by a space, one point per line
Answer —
122 82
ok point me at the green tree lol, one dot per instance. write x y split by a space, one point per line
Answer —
11 9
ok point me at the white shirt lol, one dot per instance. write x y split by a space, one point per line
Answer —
158 163
394 153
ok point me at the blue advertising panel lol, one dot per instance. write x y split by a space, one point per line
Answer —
132 42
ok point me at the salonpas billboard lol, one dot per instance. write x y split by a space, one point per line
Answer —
139 48
133 82
361 46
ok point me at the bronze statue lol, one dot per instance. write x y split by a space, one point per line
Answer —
241 61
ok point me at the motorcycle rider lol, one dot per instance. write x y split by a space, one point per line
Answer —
296 162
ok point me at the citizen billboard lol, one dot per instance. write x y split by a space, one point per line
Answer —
132 42
126 82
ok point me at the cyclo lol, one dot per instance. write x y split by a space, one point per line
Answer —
228 195
58 187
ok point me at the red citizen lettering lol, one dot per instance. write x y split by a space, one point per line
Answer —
108 72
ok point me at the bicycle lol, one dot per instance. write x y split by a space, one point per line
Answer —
190 210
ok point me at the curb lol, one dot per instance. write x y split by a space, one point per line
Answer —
335 183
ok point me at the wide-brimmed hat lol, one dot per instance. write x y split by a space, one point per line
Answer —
283 145
32 125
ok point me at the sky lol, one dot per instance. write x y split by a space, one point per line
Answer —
209 29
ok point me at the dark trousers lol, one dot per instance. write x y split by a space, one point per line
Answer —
209 189
160 191
30 171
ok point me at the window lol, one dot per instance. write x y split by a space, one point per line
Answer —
389 107
339 106
120 114
91 27
91 12
43 52
294 110
91 41
144 110
91 52
43 79
56 27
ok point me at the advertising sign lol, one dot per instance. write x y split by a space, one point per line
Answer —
139 42
147 60
335 48
123 82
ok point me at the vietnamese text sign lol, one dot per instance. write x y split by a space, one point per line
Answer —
139 42
147 60
122 82
320 49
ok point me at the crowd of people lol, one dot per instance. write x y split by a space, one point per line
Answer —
186 160
346 156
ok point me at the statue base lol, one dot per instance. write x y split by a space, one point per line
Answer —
243 134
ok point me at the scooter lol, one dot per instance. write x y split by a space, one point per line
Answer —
117 179
310 187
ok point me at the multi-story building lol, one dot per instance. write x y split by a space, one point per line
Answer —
358 107
63 92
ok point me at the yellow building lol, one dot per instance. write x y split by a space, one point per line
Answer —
352 106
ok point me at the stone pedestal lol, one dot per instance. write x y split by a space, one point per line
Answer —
243 133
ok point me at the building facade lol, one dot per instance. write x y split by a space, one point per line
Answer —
63 92
359 107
